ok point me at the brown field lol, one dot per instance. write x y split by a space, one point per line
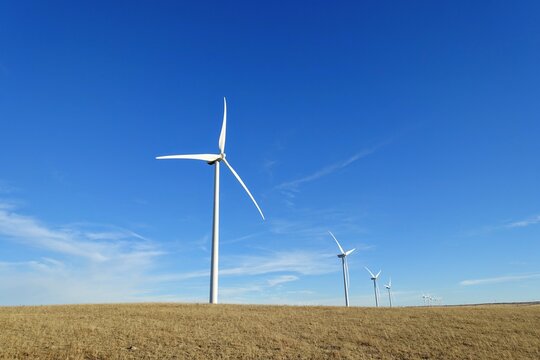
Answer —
180 331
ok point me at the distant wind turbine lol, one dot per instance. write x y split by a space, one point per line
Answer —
216 159
389 288
374 278
343 256
427 299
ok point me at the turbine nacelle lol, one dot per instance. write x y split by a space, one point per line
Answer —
373 276
218 158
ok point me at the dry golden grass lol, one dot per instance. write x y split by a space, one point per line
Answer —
179 331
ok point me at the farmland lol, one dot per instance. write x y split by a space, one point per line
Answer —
191 331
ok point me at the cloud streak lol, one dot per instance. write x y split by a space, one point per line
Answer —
294 184
76 265
532 220
297 262
524 223
98 246
498 280
282 280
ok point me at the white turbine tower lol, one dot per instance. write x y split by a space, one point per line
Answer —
374 278
345 265
389 288
216 159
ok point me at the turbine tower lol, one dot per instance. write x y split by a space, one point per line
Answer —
216 159
345 265
374 278
389 288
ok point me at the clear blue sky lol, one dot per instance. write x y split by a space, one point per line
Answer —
409 129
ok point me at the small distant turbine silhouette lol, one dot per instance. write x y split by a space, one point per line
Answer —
427 299
343 256
389 288
216 159
374 278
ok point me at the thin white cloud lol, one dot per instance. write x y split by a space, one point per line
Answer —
300 262
242 238
294 261
294 184
532 220
524 223
268 166
301 226
76 265
92 245
282 280
498 280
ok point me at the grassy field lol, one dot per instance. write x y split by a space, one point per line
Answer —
180 331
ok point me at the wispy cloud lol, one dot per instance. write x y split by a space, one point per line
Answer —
268 166
282 280
498 280
506 225
77 264
292 186
294 261
300 262
524 223
262 291
93 245
315 222
242 238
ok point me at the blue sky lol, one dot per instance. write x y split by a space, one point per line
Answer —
410 130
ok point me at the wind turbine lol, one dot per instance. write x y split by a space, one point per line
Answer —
389 287
427 299
345 265
216 159
374 278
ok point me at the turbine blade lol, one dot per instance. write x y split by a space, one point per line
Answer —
369 271
203 157
350 252
337 242
223 133
379 273
390 283
243 185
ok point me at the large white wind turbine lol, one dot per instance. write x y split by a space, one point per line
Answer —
374 278
343 256
389 288
216 159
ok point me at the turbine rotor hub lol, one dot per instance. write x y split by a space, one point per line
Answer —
221 157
